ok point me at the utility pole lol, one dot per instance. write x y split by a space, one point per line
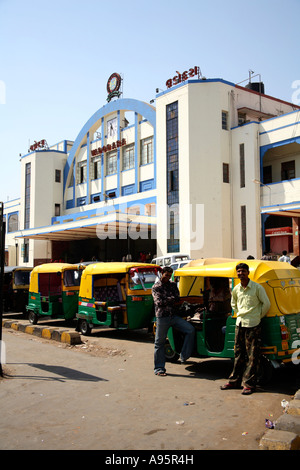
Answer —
2 255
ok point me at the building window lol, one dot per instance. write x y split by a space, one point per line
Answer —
57 210
57 176
173 241
242 165
173 244
225 172
150 209
71 176
26 250
241 118
27 195
243 228
96 168
173 180
267 174
288 170
13 222
128 157
147 151
111 163
81 172
225 120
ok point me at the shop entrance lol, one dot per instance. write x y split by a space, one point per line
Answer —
281 233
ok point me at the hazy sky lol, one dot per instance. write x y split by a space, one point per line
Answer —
56 57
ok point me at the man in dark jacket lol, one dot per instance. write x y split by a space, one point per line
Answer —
166 297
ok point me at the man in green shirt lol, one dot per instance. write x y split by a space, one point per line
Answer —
250 302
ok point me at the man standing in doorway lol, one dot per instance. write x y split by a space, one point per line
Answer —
166 298
250 302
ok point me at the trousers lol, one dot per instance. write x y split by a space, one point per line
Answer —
162 326
246 356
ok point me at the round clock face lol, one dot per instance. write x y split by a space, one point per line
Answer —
113 83
111 127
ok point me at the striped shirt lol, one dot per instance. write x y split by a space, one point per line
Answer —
165 296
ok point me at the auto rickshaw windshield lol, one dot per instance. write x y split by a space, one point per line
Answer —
21 278
72 277
142 278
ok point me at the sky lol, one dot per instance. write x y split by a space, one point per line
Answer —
56 58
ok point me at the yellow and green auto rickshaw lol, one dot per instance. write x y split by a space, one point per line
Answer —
53 291
116 295
15 288
206 291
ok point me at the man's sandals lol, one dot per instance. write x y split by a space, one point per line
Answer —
230 386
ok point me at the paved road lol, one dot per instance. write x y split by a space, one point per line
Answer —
103 395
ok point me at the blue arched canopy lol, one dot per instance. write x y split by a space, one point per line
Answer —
140 107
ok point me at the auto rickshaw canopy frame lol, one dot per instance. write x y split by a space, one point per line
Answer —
280 280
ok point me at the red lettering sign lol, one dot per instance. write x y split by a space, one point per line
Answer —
182 77
42 144
272 232
108 147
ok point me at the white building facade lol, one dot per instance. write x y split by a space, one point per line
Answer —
212 170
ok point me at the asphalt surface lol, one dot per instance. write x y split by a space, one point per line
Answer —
103 395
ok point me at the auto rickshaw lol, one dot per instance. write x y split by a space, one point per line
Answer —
116 295
15 288
53 291
214 320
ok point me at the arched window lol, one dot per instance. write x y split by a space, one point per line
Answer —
13 222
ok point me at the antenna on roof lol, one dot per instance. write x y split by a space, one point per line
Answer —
251 72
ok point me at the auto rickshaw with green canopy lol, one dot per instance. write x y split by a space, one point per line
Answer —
116 295
53 291
215 321
15 288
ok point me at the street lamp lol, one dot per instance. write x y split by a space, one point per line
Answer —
259 182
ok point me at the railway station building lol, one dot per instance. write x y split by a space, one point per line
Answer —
211 169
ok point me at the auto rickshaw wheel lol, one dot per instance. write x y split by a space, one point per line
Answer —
170 354
265 371
85 328
32 317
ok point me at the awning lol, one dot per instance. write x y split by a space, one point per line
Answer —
115 225
254 113
288 210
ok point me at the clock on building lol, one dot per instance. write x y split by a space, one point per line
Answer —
111 129
113 86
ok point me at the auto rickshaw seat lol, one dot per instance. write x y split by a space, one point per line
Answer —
114 308
104 293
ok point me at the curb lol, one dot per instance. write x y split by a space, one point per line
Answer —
286 432
63 336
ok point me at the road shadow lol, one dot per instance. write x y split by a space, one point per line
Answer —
285 380
211 369
59 374
141 335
